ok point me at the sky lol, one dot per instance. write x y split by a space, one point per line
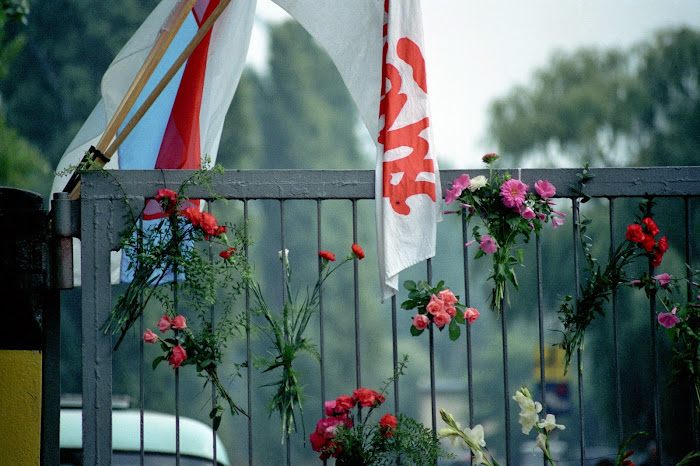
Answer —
477 51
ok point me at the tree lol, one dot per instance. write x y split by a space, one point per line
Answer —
608 107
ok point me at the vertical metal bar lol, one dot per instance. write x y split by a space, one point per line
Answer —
356 296
321 342
431 353
283 235
248 354
579 355
616 341
213 329
689 296
142 375
395 350
655 371
96 346
540 320
176 233
467 301
506 387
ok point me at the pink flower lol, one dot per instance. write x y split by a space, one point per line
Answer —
387 424
179 322
149 336
545 189
663 279
489 158
488 244
513 193
458 185
471 314
329 407
451 310
367 397
527 213
557 222
447 297
177 357
441 319
668 319
469 243
435 305
164 323
421 321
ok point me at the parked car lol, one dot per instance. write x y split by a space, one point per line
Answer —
196 438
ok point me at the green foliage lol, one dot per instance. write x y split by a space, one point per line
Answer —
21 164
611 107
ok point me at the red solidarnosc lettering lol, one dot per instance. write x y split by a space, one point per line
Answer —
391 105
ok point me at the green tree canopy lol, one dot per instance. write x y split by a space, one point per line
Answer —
608 107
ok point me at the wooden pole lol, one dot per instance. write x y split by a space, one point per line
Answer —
73 186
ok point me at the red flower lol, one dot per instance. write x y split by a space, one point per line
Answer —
177 357
227 253
357 249
656 260
343 404
168 199
329 256
208 224
662 245
367 397
651 226
388 425
649 242
192 214
489 158
635 233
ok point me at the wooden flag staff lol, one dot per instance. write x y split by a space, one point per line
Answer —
102 155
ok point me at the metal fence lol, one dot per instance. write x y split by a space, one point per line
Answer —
458 375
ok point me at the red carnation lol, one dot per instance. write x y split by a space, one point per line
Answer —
168 199
367 397
357 249
662 245
388 425
329 256
192 214
635 233
649 242
651 226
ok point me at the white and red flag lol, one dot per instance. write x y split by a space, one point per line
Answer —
184 124
377 45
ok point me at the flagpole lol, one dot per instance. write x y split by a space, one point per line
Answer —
73 186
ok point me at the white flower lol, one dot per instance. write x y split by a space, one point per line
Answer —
549 423
477 457
477 182
528 410
541 442
476 435
286 255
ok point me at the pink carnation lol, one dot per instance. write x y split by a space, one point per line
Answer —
513 193
459 185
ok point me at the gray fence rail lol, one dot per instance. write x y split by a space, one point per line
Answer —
102 210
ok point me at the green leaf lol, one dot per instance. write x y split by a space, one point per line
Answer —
415 332
455 331
157 361
409 285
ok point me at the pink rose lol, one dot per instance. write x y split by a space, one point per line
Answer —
447 297
149 336
441 319
177 357
421 321
663 279
668 319
488 244
471 314
164 323
435 305
513 193
545 189
451 310
367 397
179 322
